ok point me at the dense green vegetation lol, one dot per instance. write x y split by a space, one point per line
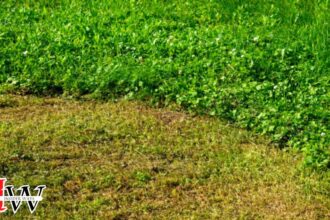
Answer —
124 160
263 64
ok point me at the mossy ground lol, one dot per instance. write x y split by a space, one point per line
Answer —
123 160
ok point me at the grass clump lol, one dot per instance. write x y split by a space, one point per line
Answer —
263 64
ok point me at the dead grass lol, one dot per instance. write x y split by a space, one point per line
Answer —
124 160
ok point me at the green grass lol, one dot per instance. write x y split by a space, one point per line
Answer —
261 63
125 160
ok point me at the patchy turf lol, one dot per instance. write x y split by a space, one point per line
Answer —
125 160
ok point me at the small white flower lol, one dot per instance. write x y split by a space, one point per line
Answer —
25 53
256 38
322 134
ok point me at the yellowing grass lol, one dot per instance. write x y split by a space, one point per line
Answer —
125 160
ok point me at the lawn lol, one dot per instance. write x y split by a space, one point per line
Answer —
123 160
196 109
263 64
